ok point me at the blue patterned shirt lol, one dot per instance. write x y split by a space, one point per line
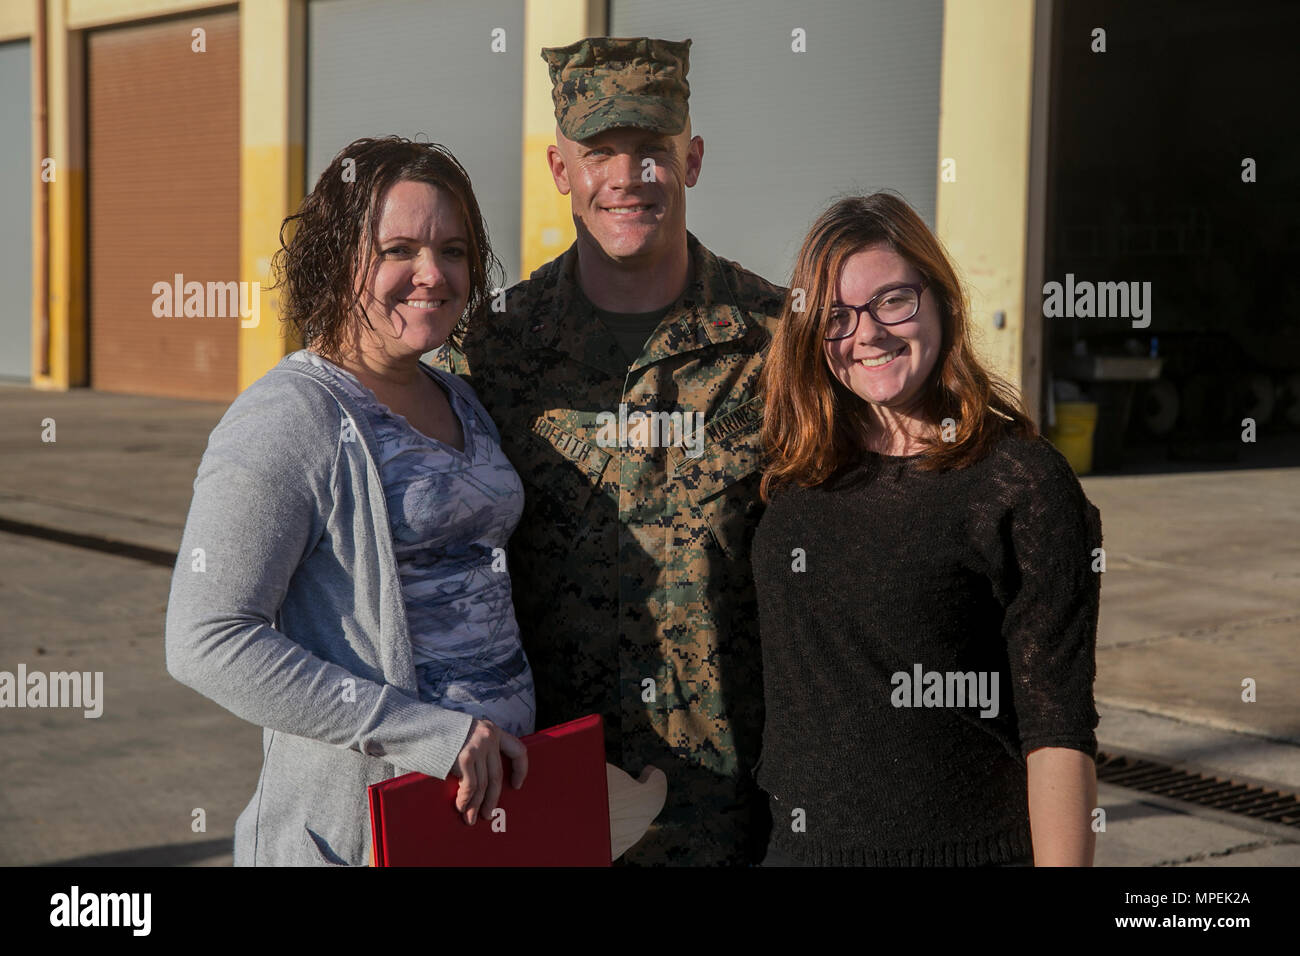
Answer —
452 514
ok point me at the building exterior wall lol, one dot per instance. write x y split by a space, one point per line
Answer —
163 189
884 94
272 163
983 212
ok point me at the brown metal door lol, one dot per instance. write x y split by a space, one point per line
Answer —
163 181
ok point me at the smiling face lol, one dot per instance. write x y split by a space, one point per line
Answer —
909 350
614 206
420 284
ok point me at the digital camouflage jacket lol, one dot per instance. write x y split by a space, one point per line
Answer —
630 566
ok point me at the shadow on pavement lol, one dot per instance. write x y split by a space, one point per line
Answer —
171 854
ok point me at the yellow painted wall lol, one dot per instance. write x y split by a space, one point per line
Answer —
272 77
17 19
546 221
97 13
984 125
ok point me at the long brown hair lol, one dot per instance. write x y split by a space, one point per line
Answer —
335 233
813 427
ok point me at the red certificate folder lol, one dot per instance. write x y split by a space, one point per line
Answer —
560 817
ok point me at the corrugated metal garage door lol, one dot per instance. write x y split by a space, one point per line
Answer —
424 70
163 179
786 133
16 211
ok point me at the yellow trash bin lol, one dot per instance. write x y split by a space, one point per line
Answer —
1075 424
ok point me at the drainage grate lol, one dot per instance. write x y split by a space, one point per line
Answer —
1273 806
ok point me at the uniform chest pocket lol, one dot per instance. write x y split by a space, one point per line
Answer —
722 483
560 470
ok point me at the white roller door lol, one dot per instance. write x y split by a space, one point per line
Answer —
786 133
424 70
16 211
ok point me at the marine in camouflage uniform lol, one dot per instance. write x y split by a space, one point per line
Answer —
631 569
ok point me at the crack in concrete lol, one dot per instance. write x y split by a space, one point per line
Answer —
1126 561
1210 630
1238 848
1197 720
5 493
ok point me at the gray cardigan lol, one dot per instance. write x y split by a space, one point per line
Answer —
286 608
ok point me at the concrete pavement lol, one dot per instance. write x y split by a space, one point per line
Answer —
1200 592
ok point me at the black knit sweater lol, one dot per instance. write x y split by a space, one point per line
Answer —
981 571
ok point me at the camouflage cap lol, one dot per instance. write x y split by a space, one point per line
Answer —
603 82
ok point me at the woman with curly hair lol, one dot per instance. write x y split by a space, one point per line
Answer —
926 576
341 579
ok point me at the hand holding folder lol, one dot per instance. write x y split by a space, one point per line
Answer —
573 810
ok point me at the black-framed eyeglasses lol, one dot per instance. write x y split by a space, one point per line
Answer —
888 307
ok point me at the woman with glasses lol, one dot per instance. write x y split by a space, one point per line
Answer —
926 572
